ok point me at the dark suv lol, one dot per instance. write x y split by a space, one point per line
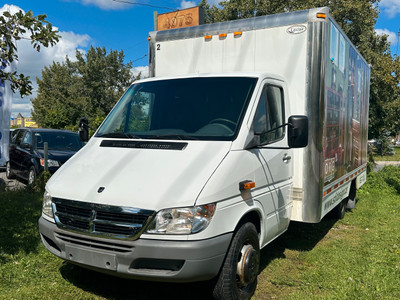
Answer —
27 151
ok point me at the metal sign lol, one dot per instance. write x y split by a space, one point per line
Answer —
179 19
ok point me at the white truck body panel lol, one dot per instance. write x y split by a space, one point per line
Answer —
305 51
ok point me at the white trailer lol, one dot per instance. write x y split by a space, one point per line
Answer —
245 126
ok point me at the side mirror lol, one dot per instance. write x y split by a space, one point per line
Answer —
26 146
298 131
83 129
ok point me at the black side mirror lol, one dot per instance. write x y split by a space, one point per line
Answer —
26 146
84 129
298 131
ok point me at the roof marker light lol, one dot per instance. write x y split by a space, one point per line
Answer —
208 37
321 15
222 35
237 33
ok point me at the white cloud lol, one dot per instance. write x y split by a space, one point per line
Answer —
187 4
30 62
10 8
390 7
391 35
143 70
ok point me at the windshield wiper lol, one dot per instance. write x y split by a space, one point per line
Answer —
119 135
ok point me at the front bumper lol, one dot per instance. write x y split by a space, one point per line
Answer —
158 260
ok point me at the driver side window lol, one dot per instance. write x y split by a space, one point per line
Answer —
270 114
27 138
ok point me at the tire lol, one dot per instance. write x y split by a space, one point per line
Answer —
237 279
31 175
340 210
351 200
9 173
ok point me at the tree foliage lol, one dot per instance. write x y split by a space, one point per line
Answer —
357 18
14 27
89 86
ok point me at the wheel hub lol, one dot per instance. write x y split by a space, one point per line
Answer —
247 267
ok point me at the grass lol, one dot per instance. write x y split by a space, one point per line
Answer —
395 157
354 258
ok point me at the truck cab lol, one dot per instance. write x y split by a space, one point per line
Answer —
179 166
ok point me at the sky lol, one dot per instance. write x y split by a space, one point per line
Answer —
117 25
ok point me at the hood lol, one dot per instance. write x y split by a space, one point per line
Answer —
59 155
153 178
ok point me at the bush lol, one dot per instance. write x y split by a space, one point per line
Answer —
385 180
40 183
384 144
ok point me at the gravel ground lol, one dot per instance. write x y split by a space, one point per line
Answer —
380 164
10 183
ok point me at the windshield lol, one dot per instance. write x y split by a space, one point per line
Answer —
191 108
58 140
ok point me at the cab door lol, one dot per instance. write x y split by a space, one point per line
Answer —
273 173
15 151
26 154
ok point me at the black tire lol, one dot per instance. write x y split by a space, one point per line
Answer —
237 279
31 175
351 200
340 210
9 173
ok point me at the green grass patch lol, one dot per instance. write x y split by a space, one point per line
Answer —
395 157
354 258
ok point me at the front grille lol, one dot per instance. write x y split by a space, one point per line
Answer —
101 220
95 244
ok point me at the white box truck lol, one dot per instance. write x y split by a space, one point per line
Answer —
244 126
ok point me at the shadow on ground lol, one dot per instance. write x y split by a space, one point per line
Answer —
300 236
19 213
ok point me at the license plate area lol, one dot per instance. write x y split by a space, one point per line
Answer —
91 257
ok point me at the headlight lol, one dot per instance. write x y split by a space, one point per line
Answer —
184 220
50 163
47 205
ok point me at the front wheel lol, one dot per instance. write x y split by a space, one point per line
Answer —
238 276
9 173
31 175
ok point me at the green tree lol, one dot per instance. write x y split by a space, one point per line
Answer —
89 86
13 27
357 18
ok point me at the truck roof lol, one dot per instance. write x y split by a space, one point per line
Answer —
205 75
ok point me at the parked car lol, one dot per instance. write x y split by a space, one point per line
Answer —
27 151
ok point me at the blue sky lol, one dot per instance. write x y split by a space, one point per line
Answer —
120 26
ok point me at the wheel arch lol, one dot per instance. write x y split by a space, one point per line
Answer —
252 216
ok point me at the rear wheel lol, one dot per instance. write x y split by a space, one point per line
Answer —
9 173
339 211
238 277
351 203
31 175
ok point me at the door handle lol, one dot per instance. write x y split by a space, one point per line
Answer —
286 158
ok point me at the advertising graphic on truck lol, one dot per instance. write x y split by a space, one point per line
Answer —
243 127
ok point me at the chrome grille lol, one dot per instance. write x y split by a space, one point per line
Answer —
100 220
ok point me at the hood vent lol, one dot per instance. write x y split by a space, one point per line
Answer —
143 145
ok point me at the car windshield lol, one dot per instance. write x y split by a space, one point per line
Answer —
58 140
209 108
